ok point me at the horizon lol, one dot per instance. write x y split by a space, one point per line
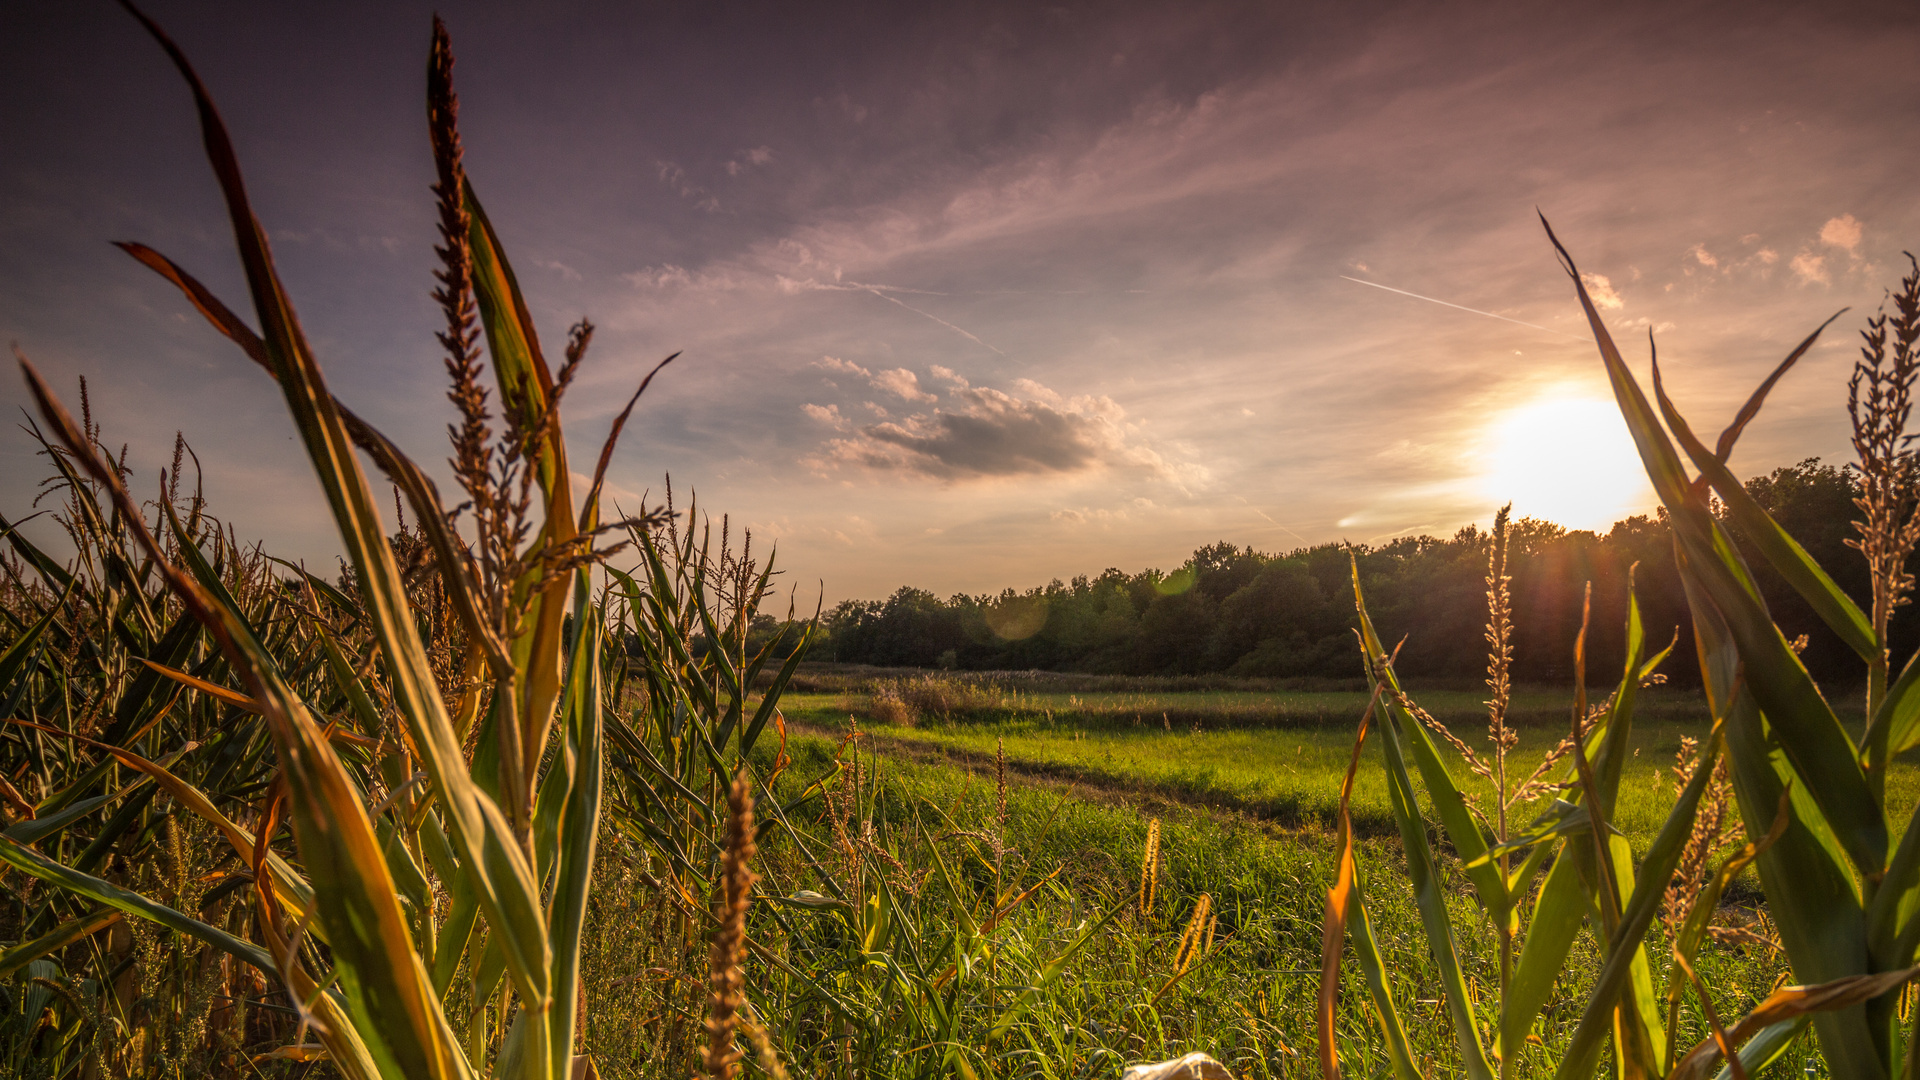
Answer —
992 294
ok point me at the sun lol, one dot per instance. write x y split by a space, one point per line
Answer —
1565 458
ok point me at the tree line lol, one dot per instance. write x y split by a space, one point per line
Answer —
1237 611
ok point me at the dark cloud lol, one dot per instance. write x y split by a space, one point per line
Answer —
987 433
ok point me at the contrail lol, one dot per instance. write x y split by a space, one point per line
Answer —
895 300
881 291
1475 311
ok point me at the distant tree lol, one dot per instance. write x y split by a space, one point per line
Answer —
1174 634
1234 609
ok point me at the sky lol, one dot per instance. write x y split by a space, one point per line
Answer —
978 295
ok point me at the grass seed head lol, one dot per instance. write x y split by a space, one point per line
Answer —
724 975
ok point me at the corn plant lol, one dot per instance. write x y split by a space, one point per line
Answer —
1841 895
431 874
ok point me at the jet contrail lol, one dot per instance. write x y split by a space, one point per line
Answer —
1475 311
883 291
895 300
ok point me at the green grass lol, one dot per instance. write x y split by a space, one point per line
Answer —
1250 1003
1289 774
1110 701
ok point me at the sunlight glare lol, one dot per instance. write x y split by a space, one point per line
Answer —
1568 460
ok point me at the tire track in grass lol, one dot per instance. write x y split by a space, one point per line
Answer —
1292 815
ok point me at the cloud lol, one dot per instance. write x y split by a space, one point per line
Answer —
1601 289
668 276
986 433
1703 256
757 157
842 367
826 414
949 376
1035 390
902 383
675 177
899 382
1842 232
1811 267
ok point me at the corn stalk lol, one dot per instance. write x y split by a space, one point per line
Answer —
510 843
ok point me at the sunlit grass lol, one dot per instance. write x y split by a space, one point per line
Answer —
1290 774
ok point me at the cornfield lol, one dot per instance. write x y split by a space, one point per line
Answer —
256 821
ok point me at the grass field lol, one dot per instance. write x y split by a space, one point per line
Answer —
1287 771
1250 1002
1246 783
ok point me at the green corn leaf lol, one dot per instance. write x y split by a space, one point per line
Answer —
409 477
1556 822
55 575
526 387
13 662
1686 944
1624 944
1813 897
1802 722
1765 1048
1893 916
19 956
508 893
1898 713
580 755
1551 929
456 930
146 692
34 864
1373 969
1781 550
1424 876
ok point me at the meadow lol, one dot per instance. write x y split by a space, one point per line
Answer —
1248 1000
530 793
1275 754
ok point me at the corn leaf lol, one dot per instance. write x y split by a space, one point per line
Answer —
1623 947
1782 551
34 864
1790 1003
1424 876
580 757
507 890
19 956
1799 718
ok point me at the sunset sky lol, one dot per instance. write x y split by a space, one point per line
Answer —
974 295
